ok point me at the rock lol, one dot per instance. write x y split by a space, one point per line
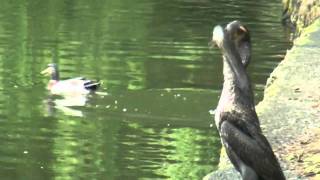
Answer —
300 13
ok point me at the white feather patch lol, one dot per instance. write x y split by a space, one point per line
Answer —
217 35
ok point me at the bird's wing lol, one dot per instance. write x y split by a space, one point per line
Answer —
251 147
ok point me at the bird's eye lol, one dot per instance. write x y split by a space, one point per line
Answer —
239 31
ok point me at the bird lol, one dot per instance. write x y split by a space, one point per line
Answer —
236 119
73 86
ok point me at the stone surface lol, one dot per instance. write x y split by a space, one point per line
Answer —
291 106
300 13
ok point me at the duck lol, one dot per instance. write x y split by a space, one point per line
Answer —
73 86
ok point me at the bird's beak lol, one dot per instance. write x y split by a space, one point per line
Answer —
47 71
243 29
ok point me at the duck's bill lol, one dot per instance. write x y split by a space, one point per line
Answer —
47 71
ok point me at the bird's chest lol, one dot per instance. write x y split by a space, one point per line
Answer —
51 84
229 105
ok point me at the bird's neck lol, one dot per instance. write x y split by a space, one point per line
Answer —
232 61
234 87
232 79
55 76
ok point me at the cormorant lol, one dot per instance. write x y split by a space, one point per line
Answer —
236 119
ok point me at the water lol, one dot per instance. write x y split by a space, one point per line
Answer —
150 119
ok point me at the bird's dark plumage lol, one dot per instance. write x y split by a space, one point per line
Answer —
236 118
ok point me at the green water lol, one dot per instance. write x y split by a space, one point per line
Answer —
150 119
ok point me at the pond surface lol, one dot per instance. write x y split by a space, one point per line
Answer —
150 118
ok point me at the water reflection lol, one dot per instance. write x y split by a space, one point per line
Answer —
160 77
66 104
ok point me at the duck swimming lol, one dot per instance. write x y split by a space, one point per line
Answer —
74 86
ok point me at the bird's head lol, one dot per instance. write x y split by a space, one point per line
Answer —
51 70
234 34
237 32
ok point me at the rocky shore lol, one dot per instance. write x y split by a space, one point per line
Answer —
290 111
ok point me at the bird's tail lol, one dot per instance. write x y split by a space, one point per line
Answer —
92 85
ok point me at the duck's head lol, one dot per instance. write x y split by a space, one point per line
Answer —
51 70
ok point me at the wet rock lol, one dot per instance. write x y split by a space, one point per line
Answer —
289 105
229 174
